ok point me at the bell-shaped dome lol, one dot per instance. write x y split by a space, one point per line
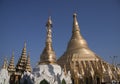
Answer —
76 40
77 44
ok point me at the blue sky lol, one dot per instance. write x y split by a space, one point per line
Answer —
24 20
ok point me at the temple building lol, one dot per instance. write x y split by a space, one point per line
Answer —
78 64
15 72
85 66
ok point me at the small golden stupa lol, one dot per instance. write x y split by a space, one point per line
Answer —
48 55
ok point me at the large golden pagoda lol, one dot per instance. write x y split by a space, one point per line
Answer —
78 63
85 66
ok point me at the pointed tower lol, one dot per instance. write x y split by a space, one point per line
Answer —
47 69
4 64
77 54
11 67
85 66
77 43
20 67
28 66
48 54
77 48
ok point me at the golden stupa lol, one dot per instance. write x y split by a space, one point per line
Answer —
48 55
85 66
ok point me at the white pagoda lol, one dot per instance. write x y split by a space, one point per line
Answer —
4 77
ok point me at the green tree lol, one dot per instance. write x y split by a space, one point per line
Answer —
63 81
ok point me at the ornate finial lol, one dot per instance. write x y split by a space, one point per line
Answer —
49 22
4 64
25 44
24 49
12 53
12 58
48 55
74 15
75 23
49 30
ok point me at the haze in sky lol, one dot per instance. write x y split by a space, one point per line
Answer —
24 20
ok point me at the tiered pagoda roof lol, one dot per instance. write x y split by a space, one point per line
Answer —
20 67
28 66
11 67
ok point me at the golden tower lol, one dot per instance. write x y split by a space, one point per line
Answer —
20 67
85 66
28 66
77 49
48 54
11 67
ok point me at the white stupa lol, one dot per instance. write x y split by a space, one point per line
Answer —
4 77
47 71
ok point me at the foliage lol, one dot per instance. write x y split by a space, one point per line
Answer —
63 81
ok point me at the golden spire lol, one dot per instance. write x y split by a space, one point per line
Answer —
75 23
77 48
48 54
28 66
11 67
22 61
76 40
24 50
4 64
78 57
